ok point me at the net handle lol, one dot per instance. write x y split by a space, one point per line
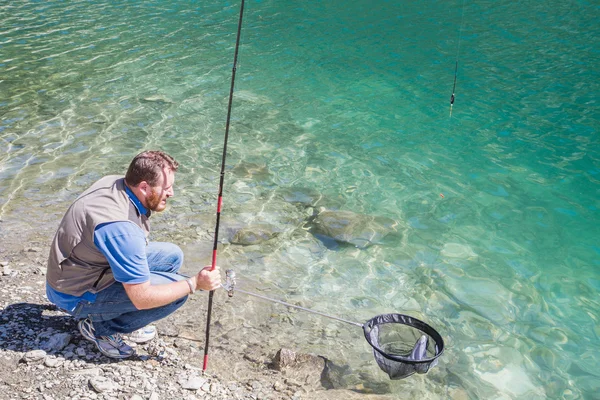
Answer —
409 321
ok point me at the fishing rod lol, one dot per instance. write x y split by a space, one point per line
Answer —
397 366
457 52
221 181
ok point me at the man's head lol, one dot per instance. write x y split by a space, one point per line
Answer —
150 176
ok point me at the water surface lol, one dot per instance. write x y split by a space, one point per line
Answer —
497 207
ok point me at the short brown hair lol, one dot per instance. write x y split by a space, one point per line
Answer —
148 166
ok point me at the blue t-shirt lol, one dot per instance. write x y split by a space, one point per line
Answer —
124 245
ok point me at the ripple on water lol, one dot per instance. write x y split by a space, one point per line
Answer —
503 368
457 250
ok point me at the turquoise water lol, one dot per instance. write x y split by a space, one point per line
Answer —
497 206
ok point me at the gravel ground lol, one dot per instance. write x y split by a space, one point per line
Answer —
43 356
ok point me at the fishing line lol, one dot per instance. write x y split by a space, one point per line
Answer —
221 181
457 53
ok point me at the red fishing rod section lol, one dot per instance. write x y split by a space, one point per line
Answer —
221 181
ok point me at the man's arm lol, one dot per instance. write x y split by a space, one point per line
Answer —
124 246
145 296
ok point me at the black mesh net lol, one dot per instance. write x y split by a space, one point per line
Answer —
403 345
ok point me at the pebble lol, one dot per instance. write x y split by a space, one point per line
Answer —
53 362
34 356
87 372
192 382
102 384
57 342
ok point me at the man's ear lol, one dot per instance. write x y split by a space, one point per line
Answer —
144 188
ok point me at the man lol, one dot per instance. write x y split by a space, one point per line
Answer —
103 271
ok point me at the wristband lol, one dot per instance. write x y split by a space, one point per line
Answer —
191 285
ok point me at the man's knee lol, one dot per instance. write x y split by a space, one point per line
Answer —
177 255
163 256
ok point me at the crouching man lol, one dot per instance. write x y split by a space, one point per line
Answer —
102 269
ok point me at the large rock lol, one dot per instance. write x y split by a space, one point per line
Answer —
348 227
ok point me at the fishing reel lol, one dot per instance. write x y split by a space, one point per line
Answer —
229 282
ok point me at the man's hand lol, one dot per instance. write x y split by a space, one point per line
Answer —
207 279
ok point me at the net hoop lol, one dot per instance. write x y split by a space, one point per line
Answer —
409 321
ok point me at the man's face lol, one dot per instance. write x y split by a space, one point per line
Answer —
156 200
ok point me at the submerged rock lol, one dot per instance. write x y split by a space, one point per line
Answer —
253 171
300 195
251 235
349 227
302 368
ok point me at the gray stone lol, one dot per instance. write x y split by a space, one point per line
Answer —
88 372
53 362
154 396
102 384
34 357
57 342
192 382
136 397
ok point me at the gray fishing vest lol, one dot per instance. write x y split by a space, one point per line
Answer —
75 265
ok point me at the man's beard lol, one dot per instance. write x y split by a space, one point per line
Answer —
153 201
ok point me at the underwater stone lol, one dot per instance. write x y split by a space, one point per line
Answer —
253 235
299 195
305 368
349 227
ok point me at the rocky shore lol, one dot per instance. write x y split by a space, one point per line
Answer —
43 356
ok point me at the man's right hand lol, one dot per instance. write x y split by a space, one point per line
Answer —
207 279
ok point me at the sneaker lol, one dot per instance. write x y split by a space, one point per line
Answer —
111 346
142 335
